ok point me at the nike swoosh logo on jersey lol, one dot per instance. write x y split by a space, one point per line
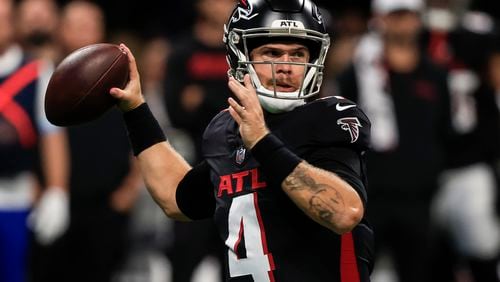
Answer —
341 108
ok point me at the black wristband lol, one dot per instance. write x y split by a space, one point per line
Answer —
143 128
276 160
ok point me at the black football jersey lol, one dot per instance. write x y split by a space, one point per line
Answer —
268 237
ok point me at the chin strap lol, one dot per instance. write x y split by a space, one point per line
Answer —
275 105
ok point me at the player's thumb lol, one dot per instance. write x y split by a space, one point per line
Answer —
117 93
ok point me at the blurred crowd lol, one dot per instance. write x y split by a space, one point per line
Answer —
427 73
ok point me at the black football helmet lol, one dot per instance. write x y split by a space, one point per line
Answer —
256 22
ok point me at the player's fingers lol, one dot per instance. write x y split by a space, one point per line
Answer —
248 82
134 73
238 90
252 94
249 90
240 110
234 114
116 92
234 85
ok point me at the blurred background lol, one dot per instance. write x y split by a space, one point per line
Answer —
426 72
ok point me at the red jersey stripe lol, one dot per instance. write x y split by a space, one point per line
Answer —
14 113
348 263
10 87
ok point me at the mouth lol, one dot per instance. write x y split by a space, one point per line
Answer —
285 87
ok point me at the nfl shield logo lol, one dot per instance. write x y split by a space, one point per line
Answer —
240 155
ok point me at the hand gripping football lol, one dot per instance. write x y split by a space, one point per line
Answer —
78 90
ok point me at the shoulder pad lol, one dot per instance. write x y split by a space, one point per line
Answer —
341 122
220 132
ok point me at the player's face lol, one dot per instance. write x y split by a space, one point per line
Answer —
6 24
401 24
81 24
288 76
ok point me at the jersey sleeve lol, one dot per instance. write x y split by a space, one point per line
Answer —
344 162
341 139
339 122
194 193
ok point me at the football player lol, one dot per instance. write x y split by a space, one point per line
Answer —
283 173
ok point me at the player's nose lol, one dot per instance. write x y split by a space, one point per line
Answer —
284 66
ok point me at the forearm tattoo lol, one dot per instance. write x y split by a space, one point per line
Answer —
323 200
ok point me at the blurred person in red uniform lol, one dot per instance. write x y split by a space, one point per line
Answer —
153 62
464 210
406 97
348 22
195 91
25 133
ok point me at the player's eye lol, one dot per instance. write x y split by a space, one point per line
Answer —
299 54
272 53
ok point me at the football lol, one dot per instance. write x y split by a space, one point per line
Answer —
78 90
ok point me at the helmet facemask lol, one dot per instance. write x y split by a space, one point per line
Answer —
241 42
